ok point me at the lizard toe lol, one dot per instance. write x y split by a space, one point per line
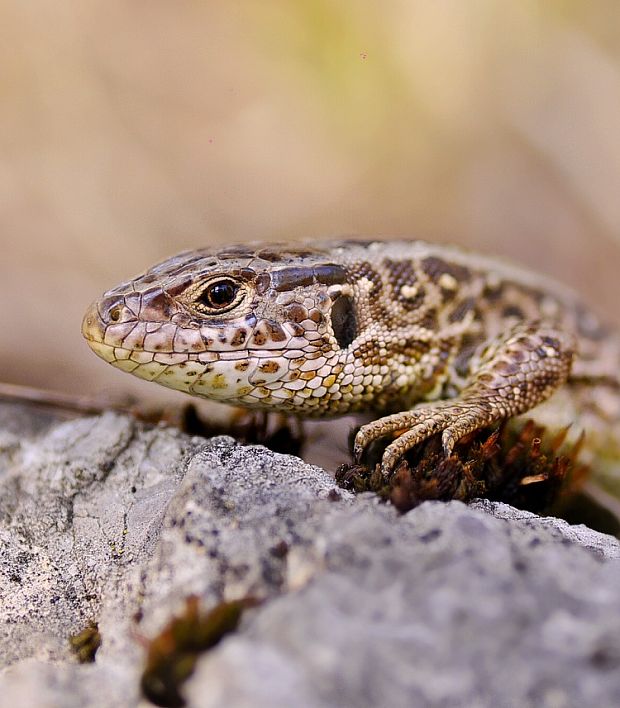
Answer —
394 451
367 434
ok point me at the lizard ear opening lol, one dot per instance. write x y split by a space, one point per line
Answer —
344 320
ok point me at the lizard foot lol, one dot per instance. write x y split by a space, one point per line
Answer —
452 420
519 371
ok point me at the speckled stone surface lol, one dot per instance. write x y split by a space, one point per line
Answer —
104 519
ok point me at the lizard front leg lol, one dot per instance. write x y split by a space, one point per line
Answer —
512 375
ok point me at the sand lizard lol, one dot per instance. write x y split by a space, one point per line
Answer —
429 338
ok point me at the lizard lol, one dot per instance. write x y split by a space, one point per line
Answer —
429 339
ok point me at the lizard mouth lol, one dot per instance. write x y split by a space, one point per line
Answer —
209 374
220 375
249 366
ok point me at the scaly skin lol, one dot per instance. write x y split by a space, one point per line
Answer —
429 338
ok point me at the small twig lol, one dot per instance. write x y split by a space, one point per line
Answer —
54 399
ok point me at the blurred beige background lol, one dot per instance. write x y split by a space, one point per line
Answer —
131 130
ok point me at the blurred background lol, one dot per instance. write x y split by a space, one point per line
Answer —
131 130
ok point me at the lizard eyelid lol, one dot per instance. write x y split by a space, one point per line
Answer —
219 295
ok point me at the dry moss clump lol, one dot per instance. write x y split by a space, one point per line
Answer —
172 655
523 466
84 644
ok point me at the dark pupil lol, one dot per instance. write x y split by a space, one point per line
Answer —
220 294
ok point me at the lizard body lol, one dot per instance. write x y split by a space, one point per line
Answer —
429 338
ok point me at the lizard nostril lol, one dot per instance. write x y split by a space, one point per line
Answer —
115 313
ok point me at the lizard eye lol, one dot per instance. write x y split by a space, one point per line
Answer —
220 295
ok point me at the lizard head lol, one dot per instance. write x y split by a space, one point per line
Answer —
260 326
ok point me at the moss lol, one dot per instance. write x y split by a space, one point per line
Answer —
84 644
523 466
172 655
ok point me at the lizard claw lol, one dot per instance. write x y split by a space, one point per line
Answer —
358 450
367 434
448 441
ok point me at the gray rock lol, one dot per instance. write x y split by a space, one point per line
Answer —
104 519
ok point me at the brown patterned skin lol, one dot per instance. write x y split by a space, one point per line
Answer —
430 338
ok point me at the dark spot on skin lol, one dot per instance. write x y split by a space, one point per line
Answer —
259 339
429 321
344 321
435 267
448 294
412 303
551 342
242 365
513 311
462 309
239 337
494 292
316 316
222 338
400 273
297 330
269 367
365 270
275 332
295 312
